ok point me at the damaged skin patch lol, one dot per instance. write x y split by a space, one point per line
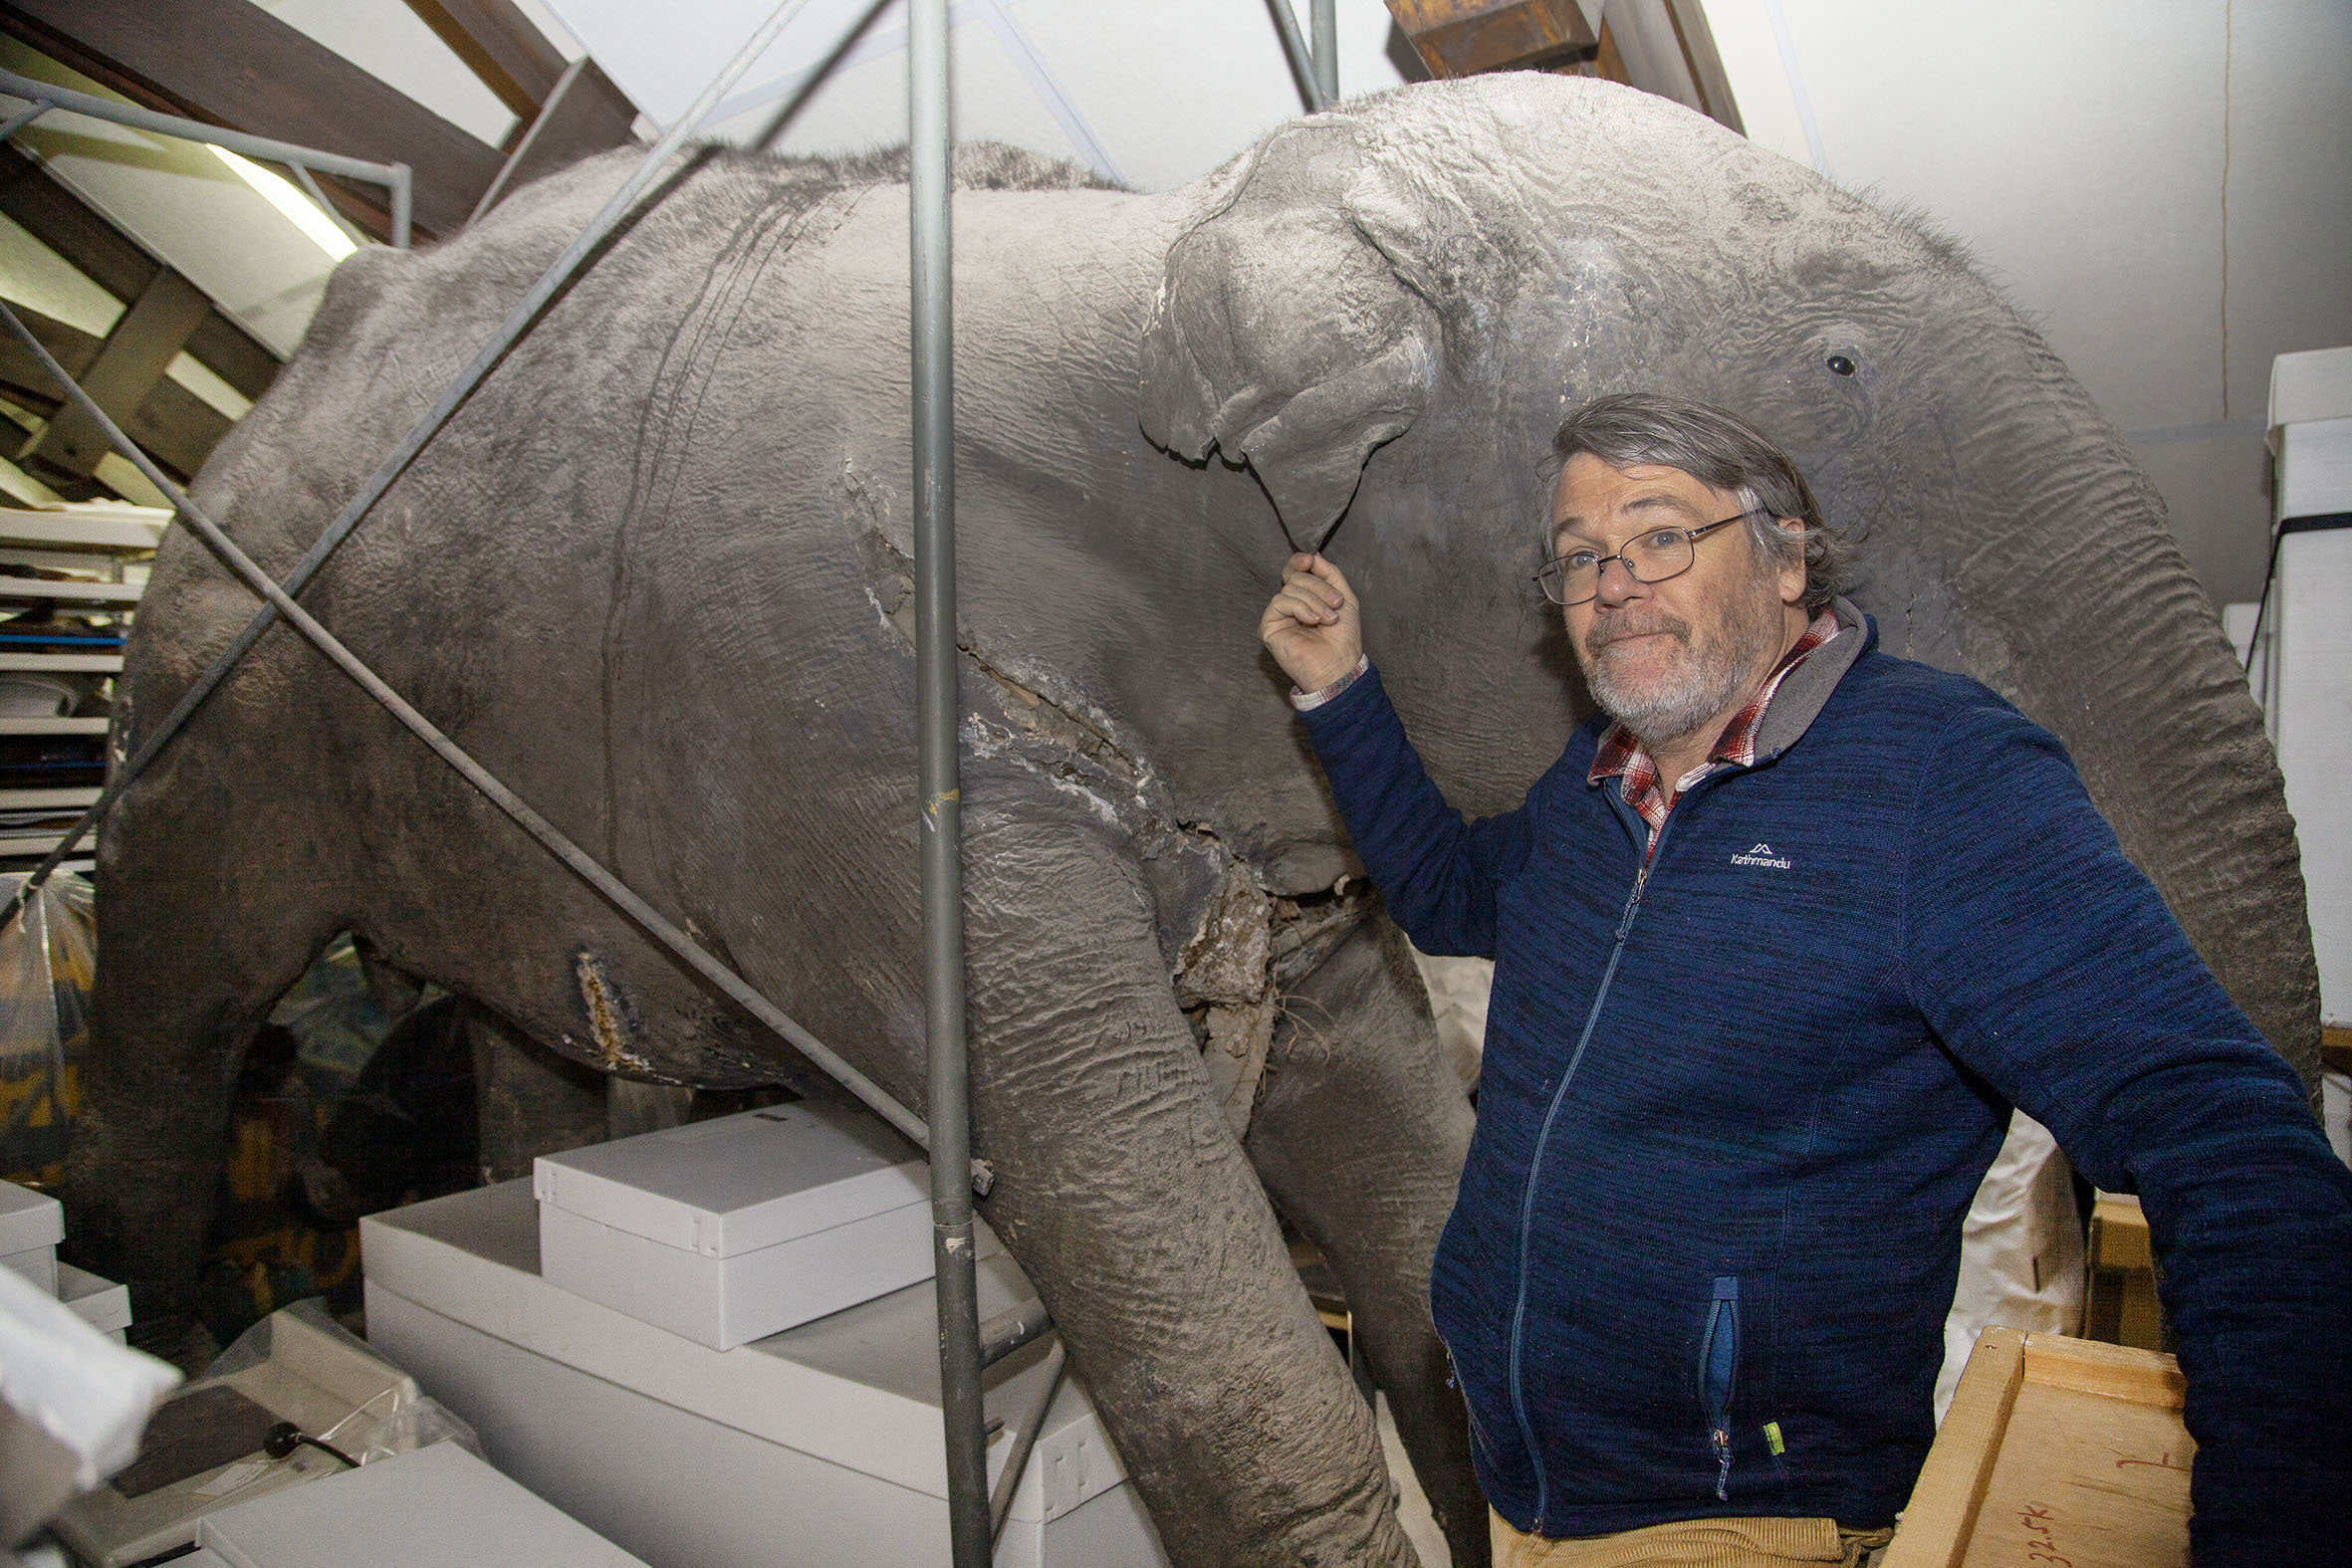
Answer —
609 1019
1226 961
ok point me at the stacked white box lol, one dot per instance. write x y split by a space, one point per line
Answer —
435 1505
102 1303
31 1226
817 1447
2308 694
731 1230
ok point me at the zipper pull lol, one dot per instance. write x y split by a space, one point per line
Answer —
1722 1457
1641 880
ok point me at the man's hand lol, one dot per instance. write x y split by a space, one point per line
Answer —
1313 628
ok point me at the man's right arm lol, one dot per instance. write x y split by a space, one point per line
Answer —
1438 876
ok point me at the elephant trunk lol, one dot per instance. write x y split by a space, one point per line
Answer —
2108 639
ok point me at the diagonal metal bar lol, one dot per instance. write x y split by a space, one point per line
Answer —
518 320
1311 86
550 837
23 118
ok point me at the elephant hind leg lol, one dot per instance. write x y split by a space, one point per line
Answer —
1360 1136
1126 1195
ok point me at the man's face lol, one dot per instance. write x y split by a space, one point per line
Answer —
1665 658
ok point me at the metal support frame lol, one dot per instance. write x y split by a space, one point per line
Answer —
42 97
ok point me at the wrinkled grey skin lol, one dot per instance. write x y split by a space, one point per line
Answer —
654 576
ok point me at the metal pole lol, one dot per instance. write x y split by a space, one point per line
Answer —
403 201
260 148
948 1104
1327 51
1302 64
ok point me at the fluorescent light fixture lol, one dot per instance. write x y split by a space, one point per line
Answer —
300 210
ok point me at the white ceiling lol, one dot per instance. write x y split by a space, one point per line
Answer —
2079 147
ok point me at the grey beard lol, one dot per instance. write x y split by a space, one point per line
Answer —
1665 711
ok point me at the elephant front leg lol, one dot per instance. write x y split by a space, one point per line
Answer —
1361 1135
1126 1195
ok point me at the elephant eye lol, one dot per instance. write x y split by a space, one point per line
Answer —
1840 364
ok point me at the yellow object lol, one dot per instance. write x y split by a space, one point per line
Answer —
1773 1437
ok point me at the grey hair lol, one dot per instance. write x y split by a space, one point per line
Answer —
1723 451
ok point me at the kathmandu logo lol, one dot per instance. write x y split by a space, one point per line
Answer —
1762 855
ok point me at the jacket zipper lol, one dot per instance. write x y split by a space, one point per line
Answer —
1526 1208
1719 1371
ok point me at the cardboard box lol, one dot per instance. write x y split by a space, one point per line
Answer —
819 1448
731 1230
2058 1451
437 1504
31 1226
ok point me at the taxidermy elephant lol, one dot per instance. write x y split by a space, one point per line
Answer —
655 575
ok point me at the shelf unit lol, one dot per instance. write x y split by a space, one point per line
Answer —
87 565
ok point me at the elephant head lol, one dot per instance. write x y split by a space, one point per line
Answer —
1385 321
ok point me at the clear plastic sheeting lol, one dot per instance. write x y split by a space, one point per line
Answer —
47 961
72 1404
343 1392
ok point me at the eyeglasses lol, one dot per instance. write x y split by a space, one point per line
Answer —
1652 556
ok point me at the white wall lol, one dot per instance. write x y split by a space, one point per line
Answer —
2080 147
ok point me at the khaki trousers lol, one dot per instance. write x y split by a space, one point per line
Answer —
1692 1543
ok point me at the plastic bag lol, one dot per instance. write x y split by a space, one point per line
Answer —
72 1404
378 1411
48 955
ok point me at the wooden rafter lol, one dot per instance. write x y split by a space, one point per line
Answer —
501 46
230 63
117 263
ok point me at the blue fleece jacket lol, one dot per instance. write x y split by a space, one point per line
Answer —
1734 1109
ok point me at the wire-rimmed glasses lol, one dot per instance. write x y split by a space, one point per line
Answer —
1652 556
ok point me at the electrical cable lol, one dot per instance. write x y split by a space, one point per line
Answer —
281 1439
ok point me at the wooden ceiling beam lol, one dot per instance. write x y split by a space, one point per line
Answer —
117 263
229 62
177 428
500 45
128 367
1461 38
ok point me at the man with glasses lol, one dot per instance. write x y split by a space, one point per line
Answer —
1778 941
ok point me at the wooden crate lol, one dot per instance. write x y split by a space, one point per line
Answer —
2057 1453
2120 1304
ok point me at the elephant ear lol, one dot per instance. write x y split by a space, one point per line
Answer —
1284 335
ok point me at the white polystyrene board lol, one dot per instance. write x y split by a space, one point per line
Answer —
2310 698
859 1387
2314 473
435 1504
2313 384
96 1300
29 1219
740 1183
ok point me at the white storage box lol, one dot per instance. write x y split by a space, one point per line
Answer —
436 1505
731 1230
100 1302
31 1226
820 1447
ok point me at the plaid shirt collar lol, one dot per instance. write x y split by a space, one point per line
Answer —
1623 758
